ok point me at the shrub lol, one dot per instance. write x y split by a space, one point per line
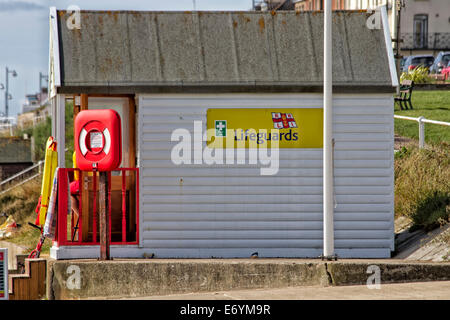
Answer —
419 75
41 132
422 185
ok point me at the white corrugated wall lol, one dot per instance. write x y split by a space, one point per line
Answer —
232 211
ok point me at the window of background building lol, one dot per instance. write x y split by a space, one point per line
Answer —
420 30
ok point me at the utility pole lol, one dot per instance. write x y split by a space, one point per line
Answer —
397 9
328 179
42 76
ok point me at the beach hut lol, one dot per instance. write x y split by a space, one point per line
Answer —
185 82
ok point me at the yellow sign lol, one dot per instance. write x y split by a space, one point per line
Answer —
262 128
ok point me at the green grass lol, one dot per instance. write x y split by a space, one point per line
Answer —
433 105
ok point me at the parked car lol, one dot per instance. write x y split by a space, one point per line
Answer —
440 62
402 62
446 72
420 60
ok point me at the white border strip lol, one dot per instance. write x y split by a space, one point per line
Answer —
5 270
54 46
61 129
139 143
388 42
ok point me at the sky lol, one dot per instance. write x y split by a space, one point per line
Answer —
24 35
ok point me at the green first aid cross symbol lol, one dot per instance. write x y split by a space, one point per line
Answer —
221 128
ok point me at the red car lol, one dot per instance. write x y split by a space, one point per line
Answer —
446 72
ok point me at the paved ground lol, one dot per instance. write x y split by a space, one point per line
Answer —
400 142
13 250
437 290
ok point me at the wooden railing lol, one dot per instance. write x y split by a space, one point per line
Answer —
70 227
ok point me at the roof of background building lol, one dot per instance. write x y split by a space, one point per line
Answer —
14 150
136 51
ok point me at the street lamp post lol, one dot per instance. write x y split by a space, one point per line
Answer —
42 76
7 95
2 87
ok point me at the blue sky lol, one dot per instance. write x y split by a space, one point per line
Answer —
24 35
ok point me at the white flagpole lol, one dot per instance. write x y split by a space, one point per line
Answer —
328 225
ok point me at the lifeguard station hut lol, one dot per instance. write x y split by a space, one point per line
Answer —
162 71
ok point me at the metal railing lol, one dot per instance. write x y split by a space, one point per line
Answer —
431 41
421 120
23 176
5 127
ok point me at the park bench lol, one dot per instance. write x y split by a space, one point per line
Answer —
404 98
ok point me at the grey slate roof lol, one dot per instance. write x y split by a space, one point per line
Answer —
14 150
129 52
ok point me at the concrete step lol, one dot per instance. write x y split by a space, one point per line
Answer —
13 251
83 279
20 264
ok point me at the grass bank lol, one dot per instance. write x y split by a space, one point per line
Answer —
21 202
434 105
422 185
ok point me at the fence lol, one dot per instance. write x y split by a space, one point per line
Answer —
5 127
22 176
422 121
430 41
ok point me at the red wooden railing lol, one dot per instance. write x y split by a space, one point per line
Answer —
76 227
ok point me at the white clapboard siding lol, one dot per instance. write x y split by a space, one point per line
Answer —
261 190
154 224
240 216
230 210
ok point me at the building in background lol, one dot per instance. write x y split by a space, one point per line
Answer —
313 5
425 27
36 107
269 5
424 24
31 103
34 101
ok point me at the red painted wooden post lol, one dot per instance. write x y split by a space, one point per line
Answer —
136 171
94 208
103 215
124 206
80 209
72 230
62 206
109 204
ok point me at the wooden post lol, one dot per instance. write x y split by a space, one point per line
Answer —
84 179
104 215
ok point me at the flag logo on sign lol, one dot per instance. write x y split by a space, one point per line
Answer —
283 120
